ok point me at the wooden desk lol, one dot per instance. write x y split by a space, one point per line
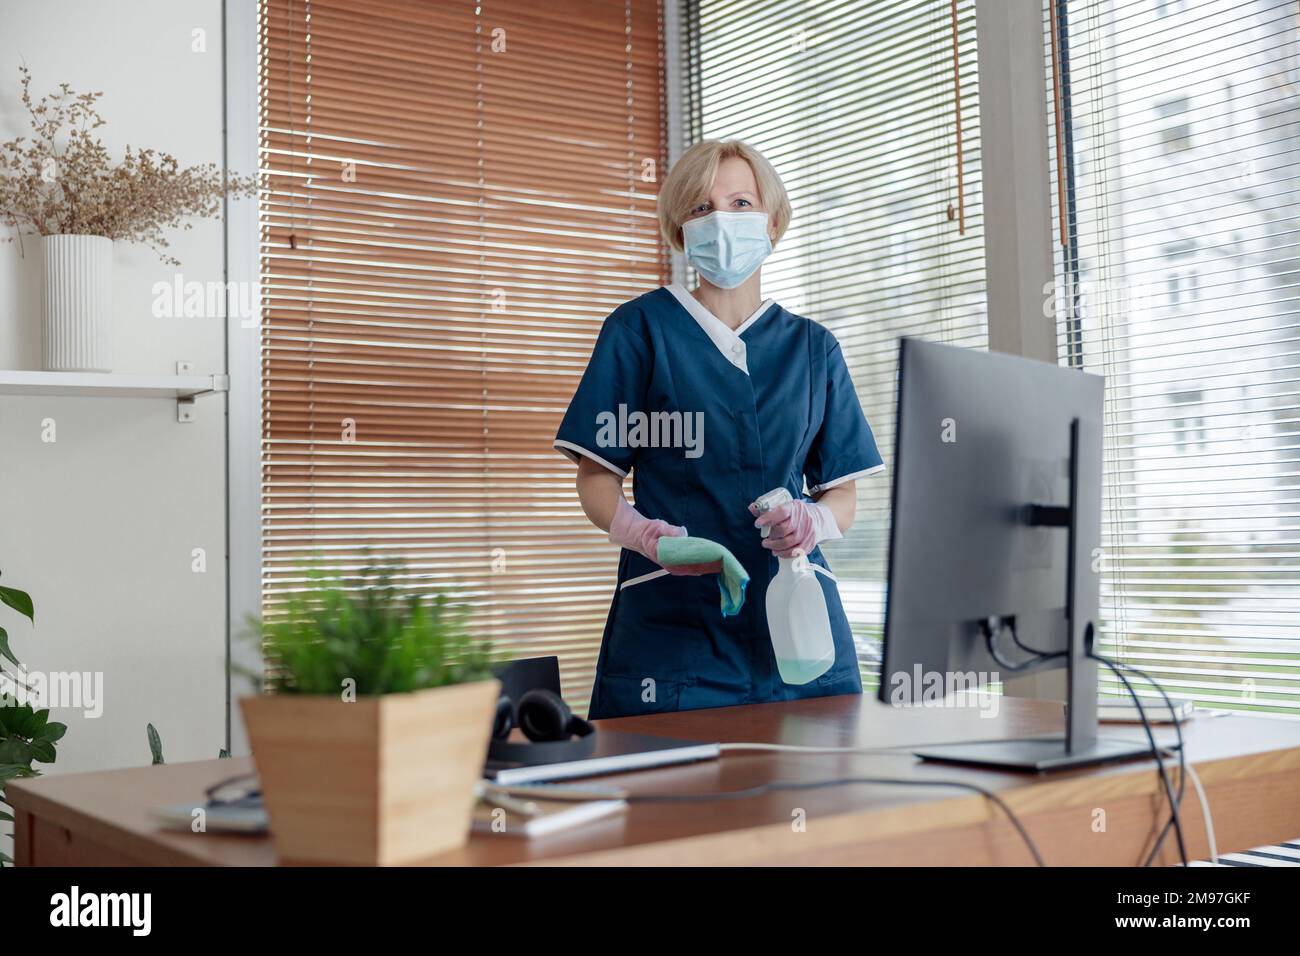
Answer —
1250 768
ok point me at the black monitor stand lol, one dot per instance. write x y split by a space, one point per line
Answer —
1079 745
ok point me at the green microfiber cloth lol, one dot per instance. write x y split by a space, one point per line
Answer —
732 579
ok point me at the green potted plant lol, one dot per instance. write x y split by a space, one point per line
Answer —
27 735
371 743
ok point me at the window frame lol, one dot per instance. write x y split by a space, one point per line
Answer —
1019 276
243 365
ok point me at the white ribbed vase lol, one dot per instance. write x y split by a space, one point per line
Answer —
77 334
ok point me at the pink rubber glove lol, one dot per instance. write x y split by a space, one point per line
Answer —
631 530
797 527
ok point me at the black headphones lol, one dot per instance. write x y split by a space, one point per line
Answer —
548 724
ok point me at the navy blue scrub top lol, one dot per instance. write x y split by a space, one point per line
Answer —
777 409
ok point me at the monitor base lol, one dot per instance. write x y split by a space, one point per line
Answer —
1034 753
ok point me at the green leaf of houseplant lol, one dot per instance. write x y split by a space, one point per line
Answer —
53 731
43 751
16 721
155 744
39 720
15 751
5 652
20 601
30 724
12 771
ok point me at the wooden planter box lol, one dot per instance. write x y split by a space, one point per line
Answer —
380 781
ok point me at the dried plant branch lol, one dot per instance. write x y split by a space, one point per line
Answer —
62 180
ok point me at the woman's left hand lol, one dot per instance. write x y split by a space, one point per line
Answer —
797 527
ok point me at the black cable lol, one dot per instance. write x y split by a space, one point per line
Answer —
780 785
986 626
1175 802
1046 655
990 636
1164 832
1182 757
1155 750
990 642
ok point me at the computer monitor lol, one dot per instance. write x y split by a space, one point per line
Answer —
995 542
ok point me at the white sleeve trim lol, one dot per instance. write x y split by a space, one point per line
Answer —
828 485
573 452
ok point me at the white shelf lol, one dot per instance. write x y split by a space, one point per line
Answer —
111 385
181 389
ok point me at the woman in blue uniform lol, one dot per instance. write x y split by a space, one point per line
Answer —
753 398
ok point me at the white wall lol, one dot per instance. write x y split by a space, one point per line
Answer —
100 525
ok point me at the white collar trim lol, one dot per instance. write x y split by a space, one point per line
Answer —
726 340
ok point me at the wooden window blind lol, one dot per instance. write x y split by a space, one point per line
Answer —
870 113
1175 135
458 193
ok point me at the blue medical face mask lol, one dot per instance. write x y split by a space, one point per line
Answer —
726 247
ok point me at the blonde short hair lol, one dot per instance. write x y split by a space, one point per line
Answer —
691 178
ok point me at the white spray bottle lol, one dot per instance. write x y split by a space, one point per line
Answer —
797 619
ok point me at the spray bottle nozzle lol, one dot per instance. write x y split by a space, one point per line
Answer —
773 499
767 502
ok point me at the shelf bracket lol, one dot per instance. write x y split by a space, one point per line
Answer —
186 411
185 406
184 388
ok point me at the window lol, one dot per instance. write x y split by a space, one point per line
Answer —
856 104
1201 582
1189 434
458 195
1180 281
1173 120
